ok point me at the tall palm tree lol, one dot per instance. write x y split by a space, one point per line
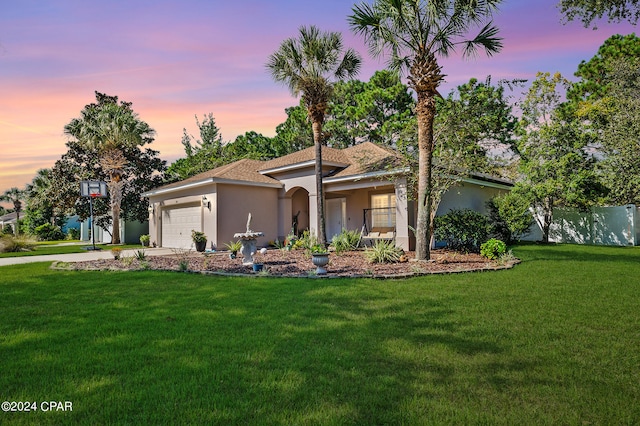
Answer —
109 128
310 65
414 33
14 196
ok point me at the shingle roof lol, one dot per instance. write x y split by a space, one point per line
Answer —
362 158
329 155
244 170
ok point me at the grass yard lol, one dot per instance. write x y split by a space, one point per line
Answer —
556 340
45 248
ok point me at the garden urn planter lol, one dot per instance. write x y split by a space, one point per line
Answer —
320 260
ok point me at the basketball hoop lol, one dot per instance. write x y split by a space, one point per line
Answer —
93 189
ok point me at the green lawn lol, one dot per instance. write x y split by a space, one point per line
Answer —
44 248
556 340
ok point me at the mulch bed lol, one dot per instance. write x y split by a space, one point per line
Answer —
297 264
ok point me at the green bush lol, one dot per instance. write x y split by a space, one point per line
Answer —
493 249
48 232
73 234
510 216
383 251
346 241
462 230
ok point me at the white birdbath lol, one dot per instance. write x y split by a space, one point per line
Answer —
248 240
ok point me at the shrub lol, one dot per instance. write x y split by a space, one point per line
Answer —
144 240
10 244
49 232
383 251
510 216
493 249
73 234
462 230
346 241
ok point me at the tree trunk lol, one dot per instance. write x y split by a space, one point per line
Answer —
115 191
548 218
317 139
425 112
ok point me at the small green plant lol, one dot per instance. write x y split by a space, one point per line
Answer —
140 255
126 260
144 240
183 258
198 237
346 241
493 249
319 249
507 258
383 251
234 246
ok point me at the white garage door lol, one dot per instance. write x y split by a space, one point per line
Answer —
177 224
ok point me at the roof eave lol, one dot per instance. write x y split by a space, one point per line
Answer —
208 181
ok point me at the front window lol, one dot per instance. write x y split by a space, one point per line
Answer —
383 211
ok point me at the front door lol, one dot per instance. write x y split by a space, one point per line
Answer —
336 209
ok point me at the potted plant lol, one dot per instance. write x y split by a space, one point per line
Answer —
257 264
144 240
320 258
199 239
233 247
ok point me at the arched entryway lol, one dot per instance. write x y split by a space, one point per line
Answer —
299 211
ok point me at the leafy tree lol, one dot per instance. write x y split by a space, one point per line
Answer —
590 10
309 66
296 133
204 154
14 196
40 206
415 33
472 120
375 111
555 167
252 145
111 128
616 116
595 74
143 170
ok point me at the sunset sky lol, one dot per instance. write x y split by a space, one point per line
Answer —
176 59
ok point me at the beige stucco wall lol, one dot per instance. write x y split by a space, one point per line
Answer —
235 202
468 196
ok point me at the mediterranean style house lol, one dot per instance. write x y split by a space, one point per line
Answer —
364 189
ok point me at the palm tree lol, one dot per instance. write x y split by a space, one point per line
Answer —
310 66
109 128
15 196
414 33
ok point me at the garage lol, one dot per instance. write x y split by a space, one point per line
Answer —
177 223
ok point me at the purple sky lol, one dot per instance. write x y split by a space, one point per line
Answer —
176 59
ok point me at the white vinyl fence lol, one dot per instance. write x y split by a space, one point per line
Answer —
611 226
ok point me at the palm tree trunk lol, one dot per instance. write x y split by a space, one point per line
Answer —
317 139
425 112
115 190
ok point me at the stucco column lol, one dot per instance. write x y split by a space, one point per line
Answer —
284 217
402 215
313 214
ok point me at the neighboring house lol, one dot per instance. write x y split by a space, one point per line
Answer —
364 187
8 219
